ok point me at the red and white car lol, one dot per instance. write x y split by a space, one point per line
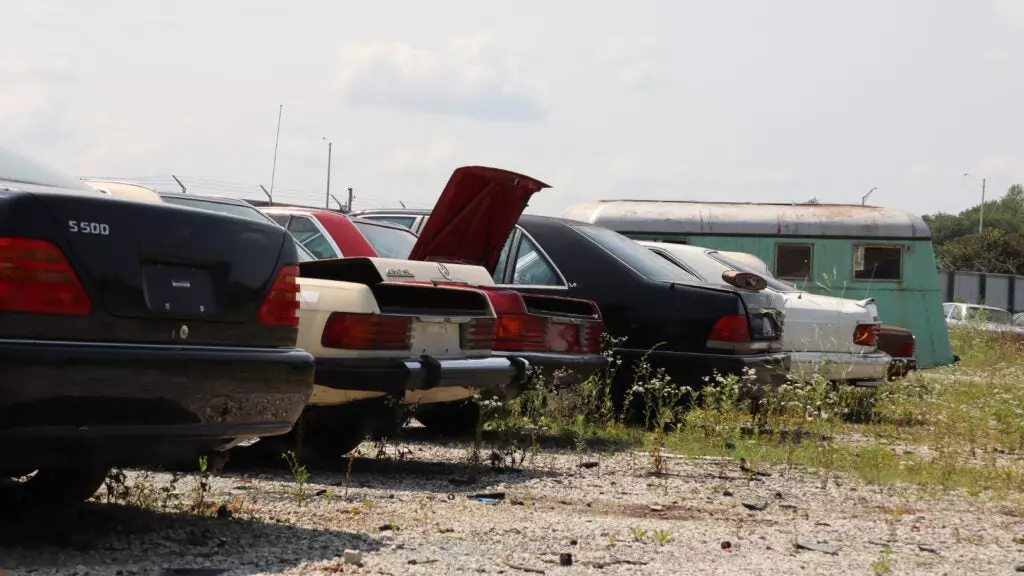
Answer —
560 338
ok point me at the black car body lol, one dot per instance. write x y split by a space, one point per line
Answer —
663 314
136 333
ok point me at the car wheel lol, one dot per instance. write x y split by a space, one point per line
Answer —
451 418
52 488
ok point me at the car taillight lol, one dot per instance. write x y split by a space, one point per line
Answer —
590 337
866 335
281 306
732 329
517 332
478 334
36 277
906 350
350 331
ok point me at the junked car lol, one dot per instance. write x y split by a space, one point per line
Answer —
665 316
558 336
380 343
896 341
989 318
834 337
134 333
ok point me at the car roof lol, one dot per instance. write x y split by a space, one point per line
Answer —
409 211
209 197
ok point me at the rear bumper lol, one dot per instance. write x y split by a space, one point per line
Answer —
900 367
396 377
854 369
559 369
143 403
695 369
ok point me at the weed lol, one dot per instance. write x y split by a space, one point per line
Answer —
202 488
883 565
299 473
639 534
662 537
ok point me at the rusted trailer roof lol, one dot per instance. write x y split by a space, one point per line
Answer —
750 219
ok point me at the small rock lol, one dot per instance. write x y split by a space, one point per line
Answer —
223 511
816 547
1019 568
589 464
320 492
755 507
573 542
517 502
727 493
657 508
778 496
353 557
726 545
565 559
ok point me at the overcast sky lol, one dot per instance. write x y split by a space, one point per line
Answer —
743 100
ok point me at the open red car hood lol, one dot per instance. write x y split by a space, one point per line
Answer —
474 216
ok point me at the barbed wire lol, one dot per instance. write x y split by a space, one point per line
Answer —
247 191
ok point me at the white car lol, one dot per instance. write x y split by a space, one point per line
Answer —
988 317
835 337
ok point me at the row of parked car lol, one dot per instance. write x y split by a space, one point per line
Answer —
141 328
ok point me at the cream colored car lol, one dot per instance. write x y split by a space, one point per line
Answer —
377 336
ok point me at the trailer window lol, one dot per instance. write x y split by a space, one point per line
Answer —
793 261
877 262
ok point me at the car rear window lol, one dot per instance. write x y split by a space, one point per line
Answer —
244 211
634 255
386 241
18 169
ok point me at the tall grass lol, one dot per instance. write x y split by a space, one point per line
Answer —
954 427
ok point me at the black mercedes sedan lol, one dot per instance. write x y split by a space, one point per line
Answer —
134 332
690 329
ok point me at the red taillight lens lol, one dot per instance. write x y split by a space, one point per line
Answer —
281 306
590 339
522 333
906 350
731 329
866 335
366 332
35 277
478 334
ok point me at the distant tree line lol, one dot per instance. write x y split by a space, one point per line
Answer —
998 249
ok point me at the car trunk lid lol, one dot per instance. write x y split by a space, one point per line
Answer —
474 216
146 260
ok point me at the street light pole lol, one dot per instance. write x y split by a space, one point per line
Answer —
981 211
327 201
864 198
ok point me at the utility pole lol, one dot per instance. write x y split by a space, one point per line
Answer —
348 207
327 200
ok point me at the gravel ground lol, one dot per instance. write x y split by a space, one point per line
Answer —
413 514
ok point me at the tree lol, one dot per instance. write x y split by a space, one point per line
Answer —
1000 246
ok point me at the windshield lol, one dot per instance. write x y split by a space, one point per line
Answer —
993 315
242 210
386 241
773 283
18 169
634 255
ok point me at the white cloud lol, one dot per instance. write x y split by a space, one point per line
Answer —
997 56
632 62
919 174
468 77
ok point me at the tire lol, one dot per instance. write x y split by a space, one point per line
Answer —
450 418
53 489
332 432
